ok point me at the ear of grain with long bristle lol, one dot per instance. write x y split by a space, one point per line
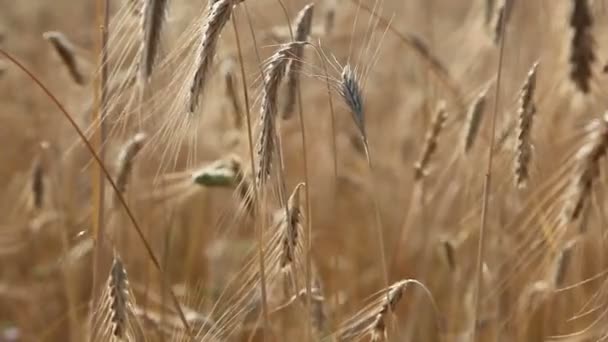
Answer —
220 13
350 91
114 318
273 74
525 113
582 54
126 159
66 51
371 320
303 25
588 163
430 142
153 17
473 123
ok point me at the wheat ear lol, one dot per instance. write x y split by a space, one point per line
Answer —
126 159
303 25
152 19
430 142
582 55
220 13
66 51
588 164
273 74
474 118
525 112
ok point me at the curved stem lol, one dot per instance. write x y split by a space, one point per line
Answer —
107 176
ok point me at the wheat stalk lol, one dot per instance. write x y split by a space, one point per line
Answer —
525 113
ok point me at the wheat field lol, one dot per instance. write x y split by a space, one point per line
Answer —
285 170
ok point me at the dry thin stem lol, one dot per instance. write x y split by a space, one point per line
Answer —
486 191
104 172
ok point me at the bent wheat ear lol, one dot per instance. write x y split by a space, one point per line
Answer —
582 55
153 15
370 321
588 164
525 113
65 50
303 27
430 142
126 159
474 117
273 74
220 13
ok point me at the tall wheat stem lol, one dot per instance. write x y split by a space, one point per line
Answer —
486 187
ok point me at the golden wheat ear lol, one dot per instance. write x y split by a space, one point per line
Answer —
114 319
